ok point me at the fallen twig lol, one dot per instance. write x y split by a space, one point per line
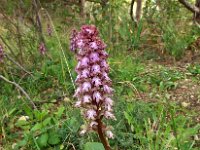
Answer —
20 88
132 86
17 64
11 59
4 41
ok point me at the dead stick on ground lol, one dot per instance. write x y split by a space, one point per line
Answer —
20 88
17 64
11 59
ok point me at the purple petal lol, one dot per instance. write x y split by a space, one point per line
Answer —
84 62
78 78
95 69
104 64
94 57
80 43
93 124
93 45
89 30
108 108
104 54
96 81
78 104
107 89
87 99
49 30
108 101
81 51
77 92
97 96
42 48
86 87
105 76
73 40
85 73
91 114
109 134
100 45
109 115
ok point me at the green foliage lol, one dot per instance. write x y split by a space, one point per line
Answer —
44 129
167 23
43 139
93 146
175 43
141 124
166 79
195 70
154 126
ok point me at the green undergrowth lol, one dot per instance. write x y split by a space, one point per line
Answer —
149 116
56 124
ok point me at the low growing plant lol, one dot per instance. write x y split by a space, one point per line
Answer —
94 85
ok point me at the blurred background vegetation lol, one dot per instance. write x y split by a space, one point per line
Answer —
154 48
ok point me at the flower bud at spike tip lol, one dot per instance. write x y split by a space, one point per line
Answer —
1 54
42 48
49 30
93 84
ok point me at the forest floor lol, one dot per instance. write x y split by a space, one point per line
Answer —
149 81
184 90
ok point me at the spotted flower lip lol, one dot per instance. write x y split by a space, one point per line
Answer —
86 87
109 115
91 114
105 66
96 81
108 107
105 77
80 43
97 96
87 99
94 57
104 54
84 62
108 101
107 89
85 73
93 83
95 69
93 123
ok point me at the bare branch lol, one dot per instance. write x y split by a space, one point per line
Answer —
138 10
10 49
82 9
95 1
10 58
189 6
131 10
38 23
17 64
20 88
